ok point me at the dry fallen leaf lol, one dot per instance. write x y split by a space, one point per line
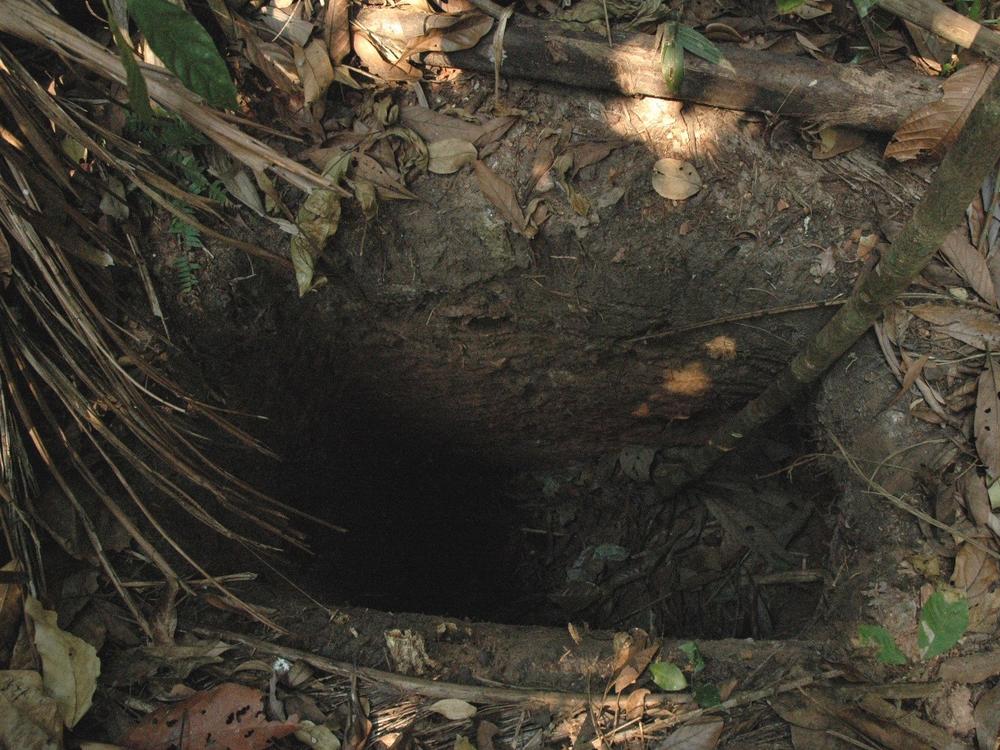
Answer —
315 70
694 736
976 328
447 32
970 264
987 716
375 62
29 718
932 128
834 141
69 665
230 716
987 424
976 575
453 709
500 194
675 179
450 155
336 30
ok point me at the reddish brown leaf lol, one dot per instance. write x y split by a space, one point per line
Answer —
988 421
228 716
976 328
970 264
933 128
500 193
336 30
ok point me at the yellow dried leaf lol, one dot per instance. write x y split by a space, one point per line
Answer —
837 141
69 664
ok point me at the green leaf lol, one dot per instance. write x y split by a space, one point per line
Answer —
667 676
889 652
789 6
707 696
138 96
864 6
943 621
694 656
698 44
671 58
186 49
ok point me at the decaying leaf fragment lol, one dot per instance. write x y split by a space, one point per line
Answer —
987 424
931 129
450 32
318 219
675 179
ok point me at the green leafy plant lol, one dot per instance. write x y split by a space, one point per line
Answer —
788 6
185 270
667 676
173 142
693 653
864 6
186 49
943 621
676 39
707 695
889 652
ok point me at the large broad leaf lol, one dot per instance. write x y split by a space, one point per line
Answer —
888 652
933 128
227 716
667 676
69 665
943 621
185 48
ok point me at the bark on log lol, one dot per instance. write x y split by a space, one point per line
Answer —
797 87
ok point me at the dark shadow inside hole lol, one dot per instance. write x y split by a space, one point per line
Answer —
427 521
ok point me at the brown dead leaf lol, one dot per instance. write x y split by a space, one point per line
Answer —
336 30
976 328
446 32
377 65
500 194
485 733
29 719
694 736
987 716
230 715
970 264
450 155
388 186
931 129
270 58
315 69
975 498
675 179
976 575
591 152
987 422
834 141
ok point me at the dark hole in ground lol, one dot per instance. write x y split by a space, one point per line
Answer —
427 521
436 528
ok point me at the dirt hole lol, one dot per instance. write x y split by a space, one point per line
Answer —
435 527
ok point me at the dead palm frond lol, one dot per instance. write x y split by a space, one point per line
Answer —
75 392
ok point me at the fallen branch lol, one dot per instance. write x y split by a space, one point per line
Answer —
951 190
947 24
794 86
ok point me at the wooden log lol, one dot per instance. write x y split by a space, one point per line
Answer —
829 93
947 24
